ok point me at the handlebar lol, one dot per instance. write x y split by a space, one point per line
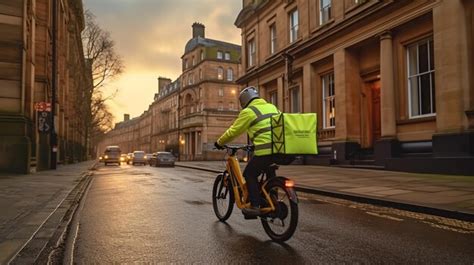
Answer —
235 148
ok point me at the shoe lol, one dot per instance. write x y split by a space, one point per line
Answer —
252 211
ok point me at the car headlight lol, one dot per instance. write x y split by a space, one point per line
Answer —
145 157
106 157
122 159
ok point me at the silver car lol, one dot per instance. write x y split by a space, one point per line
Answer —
162 159
138 157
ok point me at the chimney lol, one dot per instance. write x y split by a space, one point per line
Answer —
198 30
126 117
163 82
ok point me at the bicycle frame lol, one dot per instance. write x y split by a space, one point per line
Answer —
238 181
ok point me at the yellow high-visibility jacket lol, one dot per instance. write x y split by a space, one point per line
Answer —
255 119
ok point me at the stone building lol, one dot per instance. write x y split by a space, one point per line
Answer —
208 95
189 114
391 81
27 60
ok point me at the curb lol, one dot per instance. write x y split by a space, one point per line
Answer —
40 249
372 200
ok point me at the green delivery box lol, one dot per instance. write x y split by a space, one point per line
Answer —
294 133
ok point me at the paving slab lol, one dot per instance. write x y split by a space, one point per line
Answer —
28 201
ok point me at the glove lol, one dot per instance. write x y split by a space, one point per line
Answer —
218 146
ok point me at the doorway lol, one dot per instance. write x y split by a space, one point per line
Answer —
371 118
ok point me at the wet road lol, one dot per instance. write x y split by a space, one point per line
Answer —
147 214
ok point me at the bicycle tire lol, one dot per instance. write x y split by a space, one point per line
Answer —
222 187
290 214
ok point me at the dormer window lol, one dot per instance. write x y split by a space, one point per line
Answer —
219 55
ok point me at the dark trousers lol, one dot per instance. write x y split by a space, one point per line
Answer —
255 167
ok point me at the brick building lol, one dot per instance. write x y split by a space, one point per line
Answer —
391 81
27 60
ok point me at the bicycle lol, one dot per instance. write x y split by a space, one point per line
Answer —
280 210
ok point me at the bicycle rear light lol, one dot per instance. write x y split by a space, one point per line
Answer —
289 183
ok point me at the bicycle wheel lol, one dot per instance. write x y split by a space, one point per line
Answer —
280 225
222 197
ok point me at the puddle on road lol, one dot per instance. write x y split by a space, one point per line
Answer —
197 202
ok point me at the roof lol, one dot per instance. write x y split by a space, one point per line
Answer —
200 41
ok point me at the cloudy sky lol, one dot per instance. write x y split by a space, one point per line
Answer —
150 35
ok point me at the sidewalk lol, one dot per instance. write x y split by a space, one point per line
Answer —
449 196
32 206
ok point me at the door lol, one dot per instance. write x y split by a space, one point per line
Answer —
376 121
370 113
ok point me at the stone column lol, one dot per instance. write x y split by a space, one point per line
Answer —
387 147
451 24
347 86
387 93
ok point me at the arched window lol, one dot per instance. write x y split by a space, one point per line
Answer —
220 73
230 74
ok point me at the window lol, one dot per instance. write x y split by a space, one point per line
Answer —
230 74
200 74
221 106
219 55
231 106
273 42
221 92
293 26
421 79
273 98
295 99
220 73
190 79
227 56
185 63
324 11
251 52
202 55
194 61
329 101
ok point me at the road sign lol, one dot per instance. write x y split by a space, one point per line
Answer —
43 106
44 121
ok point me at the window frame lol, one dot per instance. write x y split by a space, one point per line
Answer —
227 56
294 25
418 75
293 101
220 92
273 38
251 49
219 55
220 73
321 12
328 98
230 73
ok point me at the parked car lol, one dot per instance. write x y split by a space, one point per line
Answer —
162 159
148 157
129 158
123 158
112 155
138 158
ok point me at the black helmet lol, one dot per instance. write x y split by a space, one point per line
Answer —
247 95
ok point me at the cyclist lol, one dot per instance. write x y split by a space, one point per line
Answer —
255 120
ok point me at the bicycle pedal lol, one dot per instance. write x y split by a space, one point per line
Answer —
248 217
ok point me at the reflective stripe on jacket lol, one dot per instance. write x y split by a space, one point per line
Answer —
255 119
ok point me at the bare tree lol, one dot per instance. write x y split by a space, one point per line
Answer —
105 65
